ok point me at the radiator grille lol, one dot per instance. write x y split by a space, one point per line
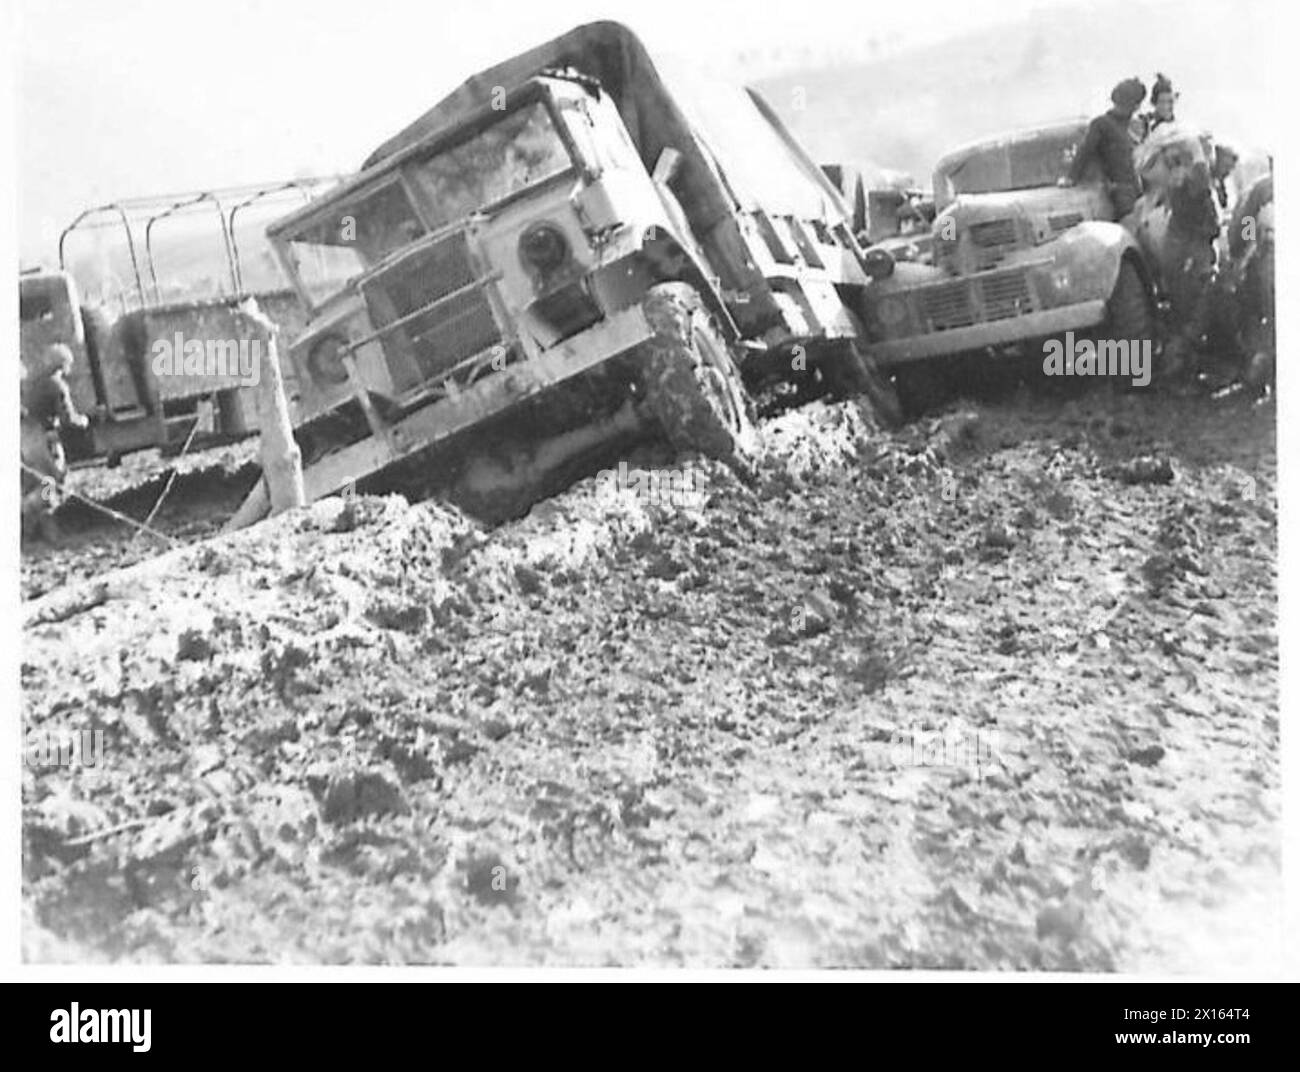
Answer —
963 303
1004 295
427 344
949 305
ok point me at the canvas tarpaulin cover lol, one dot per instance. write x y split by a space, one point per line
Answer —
731 150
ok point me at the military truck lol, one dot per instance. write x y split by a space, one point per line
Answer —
1015 259
146 276
563 254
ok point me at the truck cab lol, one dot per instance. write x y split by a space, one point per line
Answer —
561 245
1015 257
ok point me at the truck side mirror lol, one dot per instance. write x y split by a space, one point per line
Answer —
667 166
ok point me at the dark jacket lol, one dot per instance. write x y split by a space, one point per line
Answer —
1191 205
1107 148
49 400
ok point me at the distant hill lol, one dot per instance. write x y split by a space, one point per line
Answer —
906 110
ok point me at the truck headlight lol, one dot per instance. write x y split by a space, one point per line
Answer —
878 263
543 247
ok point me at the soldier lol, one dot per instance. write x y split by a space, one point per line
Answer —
1163 99
46 406
1245 227
1188 262
1250 275
1107 149
1225 162
48 399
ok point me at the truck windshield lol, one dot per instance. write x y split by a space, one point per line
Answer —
340 241
355 232
1016 164
517 151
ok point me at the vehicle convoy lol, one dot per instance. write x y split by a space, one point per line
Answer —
145 277
561 254
1016 258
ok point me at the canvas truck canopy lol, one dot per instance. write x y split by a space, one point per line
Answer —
736 152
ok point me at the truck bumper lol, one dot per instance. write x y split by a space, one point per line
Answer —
993 333
442 419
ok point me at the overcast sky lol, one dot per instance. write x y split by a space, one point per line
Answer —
155 96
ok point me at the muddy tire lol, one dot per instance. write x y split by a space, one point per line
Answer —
849 371
1130 313
691 384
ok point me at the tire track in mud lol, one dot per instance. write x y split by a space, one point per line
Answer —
1094 596
626 733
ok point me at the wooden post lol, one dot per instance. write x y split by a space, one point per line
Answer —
254 507
281 486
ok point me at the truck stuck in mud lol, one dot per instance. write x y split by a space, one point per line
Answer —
1015 259
621 631
1019 261
139 336
563 254
140 280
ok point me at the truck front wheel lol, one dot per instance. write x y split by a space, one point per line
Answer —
691 384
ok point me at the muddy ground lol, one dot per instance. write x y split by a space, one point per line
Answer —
110 518
998 690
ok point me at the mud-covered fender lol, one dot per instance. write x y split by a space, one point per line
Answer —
1084 263
628 271
664 246
886 311
644 220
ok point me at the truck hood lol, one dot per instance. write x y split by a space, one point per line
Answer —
1042 212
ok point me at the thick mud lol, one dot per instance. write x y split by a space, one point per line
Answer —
998 690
